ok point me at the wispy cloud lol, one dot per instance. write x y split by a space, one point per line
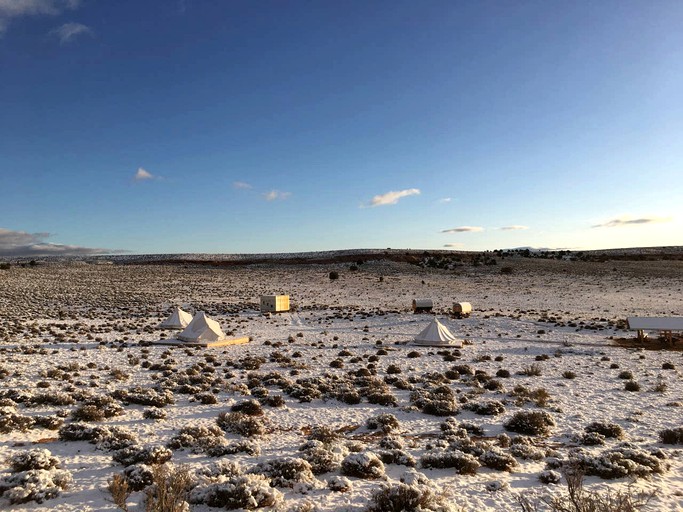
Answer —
241 185
463 229
20 243
393 197
143 175
11 9
272 195
445 200
455 245
514 227
70 31
627 221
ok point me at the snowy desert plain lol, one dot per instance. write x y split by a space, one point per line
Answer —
326 408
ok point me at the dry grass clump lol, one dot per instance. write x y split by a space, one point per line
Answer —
169 490
578 499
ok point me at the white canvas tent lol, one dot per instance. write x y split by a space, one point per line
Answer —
178 319
202 329
437 335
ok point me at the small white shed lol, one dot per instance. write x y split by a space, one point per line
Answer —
462 309
274 303
422 305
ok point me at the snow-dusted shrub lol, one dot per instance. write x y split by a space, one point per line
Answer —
349 397
489 408
223 467
142 455
391 443
219 447
240 423
396 456
273 401
386 422
34 485
504 440
592 439
527 452
206 398
452 428
463 369
145 396
625 460
631 385
626 375
338 483
38 458
246 491
362 465
191 436
48 422
323 457
106 438
382 398
287 472
88 413
549 476
10 421
248 407
494 385
496 485
154 413
530 423
472 428
606 429
495 458
413 493
57 398
324 434
463 463
671 435
138 476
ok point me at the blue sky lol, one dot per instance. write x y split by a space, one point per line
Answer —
202 126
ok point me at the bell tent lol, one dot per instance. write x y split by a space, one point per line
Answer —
202 329
437 335
178 319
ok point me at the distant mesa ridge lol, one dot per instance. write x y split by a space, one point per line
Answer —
348 256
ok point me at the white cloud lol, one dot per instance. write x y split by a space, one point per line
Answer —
455 245
393 197
10 9
514 227
463 229
142 175
70 31
272 195
627 221
445 200
241 185
20 243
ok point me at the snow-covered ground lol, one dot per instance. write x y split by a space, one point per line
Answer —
77 331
